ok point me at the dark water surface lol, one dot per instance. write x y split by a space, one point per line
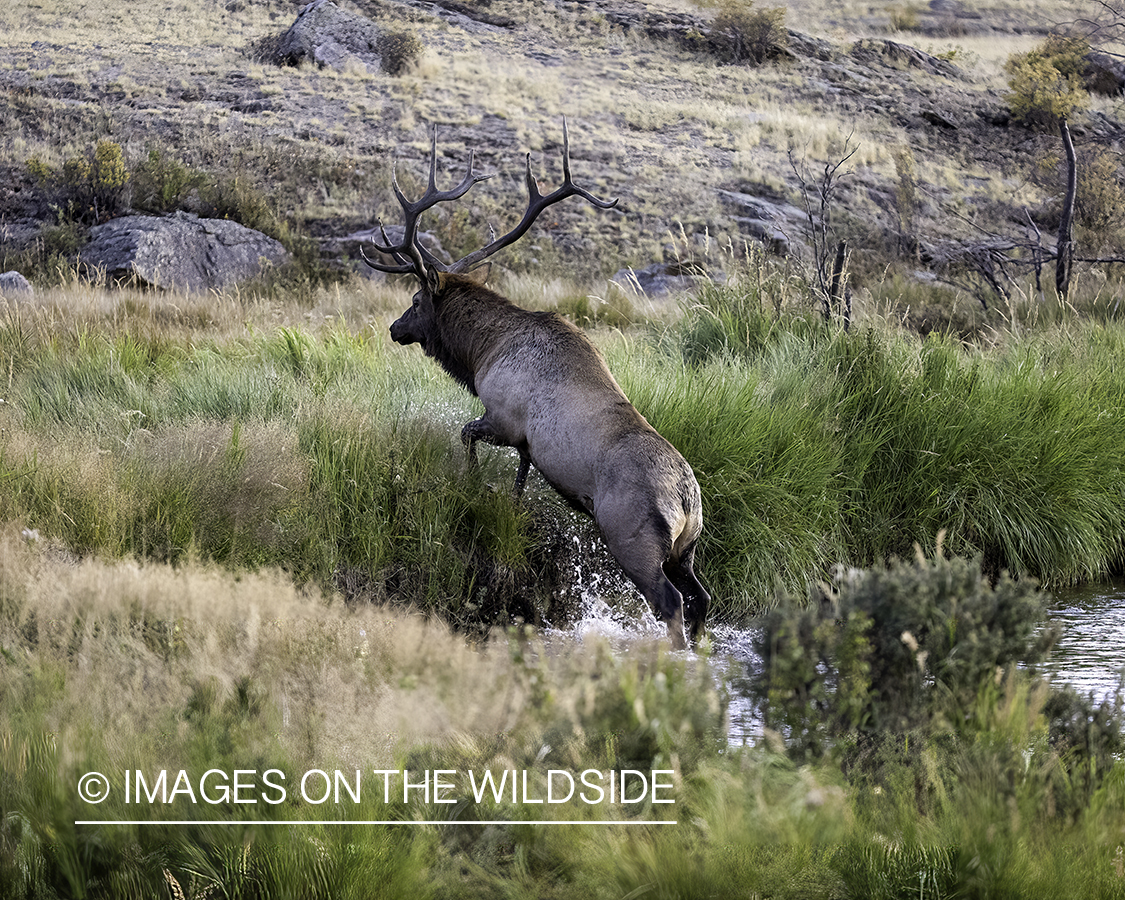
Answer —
1090 654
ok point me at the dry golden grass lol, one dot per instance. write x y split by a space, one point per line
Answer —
650 122
221 315
183 23
348 687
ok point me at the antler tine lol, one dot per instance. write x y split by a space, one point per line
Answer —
419 257
433 164
537 202
403 268
405 265
585 195
566 152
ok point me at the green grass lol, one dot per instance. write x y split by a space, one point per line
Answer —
112 666
854 446
329 454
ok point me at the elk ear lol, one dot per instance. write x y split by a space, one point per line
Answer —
479 275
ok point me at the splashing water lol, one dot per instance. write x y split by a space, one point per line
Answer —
609 605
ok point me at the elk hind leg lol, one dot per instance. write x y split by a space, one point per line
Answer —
641 549
696 598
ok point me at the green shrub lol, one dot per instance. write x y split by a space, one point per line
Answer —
1045 84
161 184
1087 734
236 197
898 649
88 188
108 175
39 170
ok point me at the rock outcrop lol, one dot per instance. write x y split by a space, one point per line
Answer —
13 284
181 251
332 37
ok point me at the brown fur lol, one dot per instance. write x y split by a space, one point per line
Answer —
548 393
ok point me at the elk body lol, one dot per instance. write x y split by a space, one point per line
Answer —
548 393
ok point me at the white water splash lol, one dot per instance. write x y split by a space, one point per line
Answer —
610 606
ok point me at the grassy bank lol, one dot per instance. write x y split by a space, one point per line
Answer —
129 430
127 669
192 491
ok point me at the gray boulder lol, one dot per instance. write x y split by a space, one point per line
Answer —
657 280
769 221
331 37
181 252
13 284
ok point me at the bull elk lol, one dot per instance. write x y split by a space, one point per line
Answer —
547 392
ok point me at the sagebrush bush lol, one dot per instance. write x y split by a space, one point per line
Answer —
1045 84
742 34
931 649
162 183
87 188
399 51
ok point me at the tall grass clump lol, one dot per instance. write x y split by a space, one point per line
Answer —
404 520
742 319
878 440
1016 458
114 666
317 453
762 469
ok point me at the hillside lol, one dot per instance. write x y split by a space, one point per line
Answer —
707 157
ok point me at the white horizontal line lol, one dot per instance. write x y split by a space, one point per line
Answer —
368 822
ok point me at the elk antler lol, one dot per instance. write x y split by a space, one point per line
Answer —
419 257
413 258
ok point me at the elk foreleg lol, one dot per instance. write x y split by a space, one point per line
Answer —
481 430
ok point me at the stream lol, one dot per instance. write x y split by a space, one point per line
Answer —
1090 654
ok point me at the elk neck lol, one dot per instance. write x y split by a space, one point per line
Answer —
472 322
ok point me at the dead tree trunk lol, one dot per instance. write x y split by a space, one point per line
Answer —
1064 251
836 285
